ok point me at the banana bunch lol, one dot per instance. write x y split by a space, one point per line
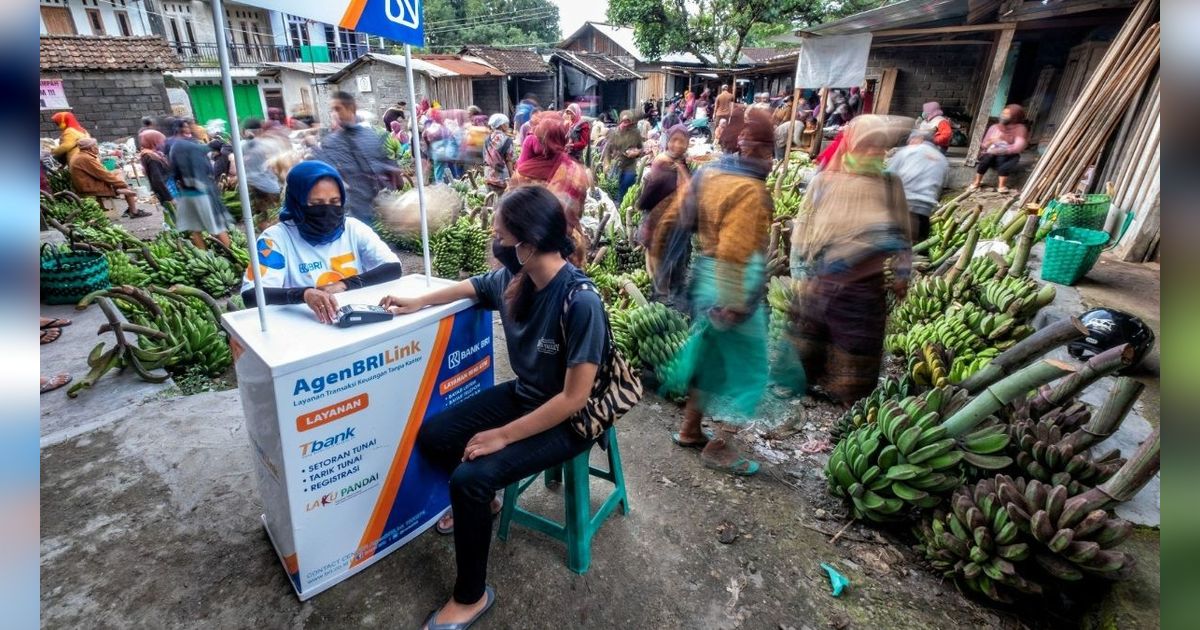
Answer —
606 282
968 363
977 544
640 279
781 292
787 203
1044 449
212 273
194 335
951 333
866 410
927 298
108 236
987 325
983 267
618 319
460 248
930 366
121 270
659 332
170 271
405 242
1015 296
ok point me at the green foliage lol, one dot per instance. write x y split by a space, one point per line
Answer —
453 23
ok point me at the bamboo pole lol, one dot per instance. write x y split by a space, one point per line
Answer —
819 136
787 152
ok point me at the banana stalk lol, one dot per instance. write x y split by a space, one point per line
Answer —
950 206
995 396
1130 479
633 292
1021 254
1097 367
964 259
1025 351
212 304
1105 421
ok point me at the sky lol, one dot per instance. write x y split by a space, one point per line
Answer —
573 13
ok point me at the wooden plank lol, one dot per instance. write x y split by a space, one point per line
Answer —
887 87
979 125
1037 10
936 42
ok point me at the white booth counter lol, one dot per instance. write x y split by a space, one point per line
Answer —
333 413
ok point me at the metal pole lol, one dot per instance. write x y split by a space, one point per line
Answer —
235 136
415 143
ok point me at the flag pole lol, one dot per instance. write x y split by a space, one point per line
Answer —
415 143
235 137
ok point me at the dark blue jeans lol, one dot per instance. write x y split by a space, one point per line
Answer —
626 181
473 484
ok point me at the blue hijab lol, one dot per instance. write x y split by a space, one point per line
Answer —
300 181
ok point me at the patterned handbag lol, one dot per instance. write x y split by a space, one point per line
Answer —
617 388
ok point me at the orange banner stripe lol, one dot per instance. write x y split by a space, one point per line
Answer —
353 12
391 485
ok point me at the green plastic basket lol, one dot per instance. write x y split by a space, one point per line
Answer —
66 277
1090 214
1070 254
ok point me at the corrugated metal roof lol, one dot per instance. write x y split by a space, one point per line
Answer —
509 60
425 67
320 68
603 67
77 52
623 36
462 66
899 15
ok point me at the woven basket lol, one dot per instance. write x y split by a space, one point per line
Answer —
1070 254
67 278
1090 214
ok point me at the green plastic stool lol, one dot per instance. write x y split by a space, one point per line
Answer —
581 525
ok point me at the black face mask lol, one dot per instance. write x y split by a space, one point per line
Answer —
321 223
507 255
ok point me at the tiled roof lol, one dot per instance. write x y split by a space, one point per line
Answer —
462 66
603 67
76 52
759 55
509 60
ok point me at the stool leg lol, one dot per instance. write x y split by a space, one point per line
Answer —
553 474
578 504
506 512
614 466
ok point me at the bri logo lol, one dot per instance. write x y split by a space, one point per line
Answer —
317 446
317 384
456 357
307 267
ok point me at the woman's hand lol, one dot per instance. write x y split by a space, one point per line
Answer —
334 287
401 305
484 443
323 304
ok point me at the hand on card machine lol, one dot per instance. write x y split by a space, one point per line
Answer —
355 314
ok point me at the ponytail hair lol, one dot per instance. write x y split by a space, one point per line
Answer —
534 216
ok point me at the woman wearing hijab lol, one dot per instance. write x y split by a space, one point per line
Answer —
316 251
72 132
663 188
158 170
1002 147
855 218
89 177
935 123
498 154
728 138
621 154
544 161
579 132
198 209
723 365
441 146
689 104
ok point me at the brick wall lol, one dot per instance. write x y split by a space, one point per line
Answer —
486 95
387 87
944 74
110 105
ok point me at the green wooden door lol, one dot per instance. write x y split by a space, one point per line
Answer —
208 102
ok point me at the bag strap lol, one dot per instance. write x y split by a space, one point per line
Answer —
587 285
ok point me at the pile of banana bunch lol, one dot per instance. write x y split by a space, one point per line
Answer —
69 209
781 292
189 322
459 250
1018 297
622 332
1012 538
657 333
173 260
121 270
866 410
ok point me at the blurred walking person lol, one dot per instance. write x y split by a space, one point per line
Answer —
158 171
357 152
544 161
198 208
663 189
855 219
922 168
621 154
723 365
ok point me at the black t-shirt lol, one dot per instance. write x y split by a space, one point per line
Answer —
537 350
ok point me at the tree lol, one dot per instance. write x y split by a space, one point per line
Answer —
716 30
450 24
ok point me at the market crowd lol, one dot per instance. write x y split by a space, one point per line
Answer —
703 159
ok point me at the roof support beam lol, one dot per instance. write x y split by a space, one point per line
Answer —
999 55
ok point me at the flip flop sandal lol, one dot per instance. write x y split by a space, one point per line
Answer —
446 531
139 214
50 335
708 435
742 467
55 382
430 624
56 322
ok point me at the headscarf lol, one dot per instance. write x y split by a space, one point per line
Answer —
758 133
68 119
89 145
626 120
300 182
677 130
423 107
931 110
1018 114
575 112
151 142
872 134
496 121
737 120
544 149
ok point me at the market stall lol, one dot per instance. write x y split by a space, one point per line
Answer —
332 415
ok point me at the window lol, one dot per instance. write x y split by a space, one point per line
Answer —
96 21
187 25
123 22
58 21
175 38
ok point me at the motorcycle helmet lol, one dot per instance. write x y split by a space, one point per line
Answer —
1108 328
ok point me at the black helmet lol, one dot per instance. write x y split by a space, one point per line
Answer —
1108 328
